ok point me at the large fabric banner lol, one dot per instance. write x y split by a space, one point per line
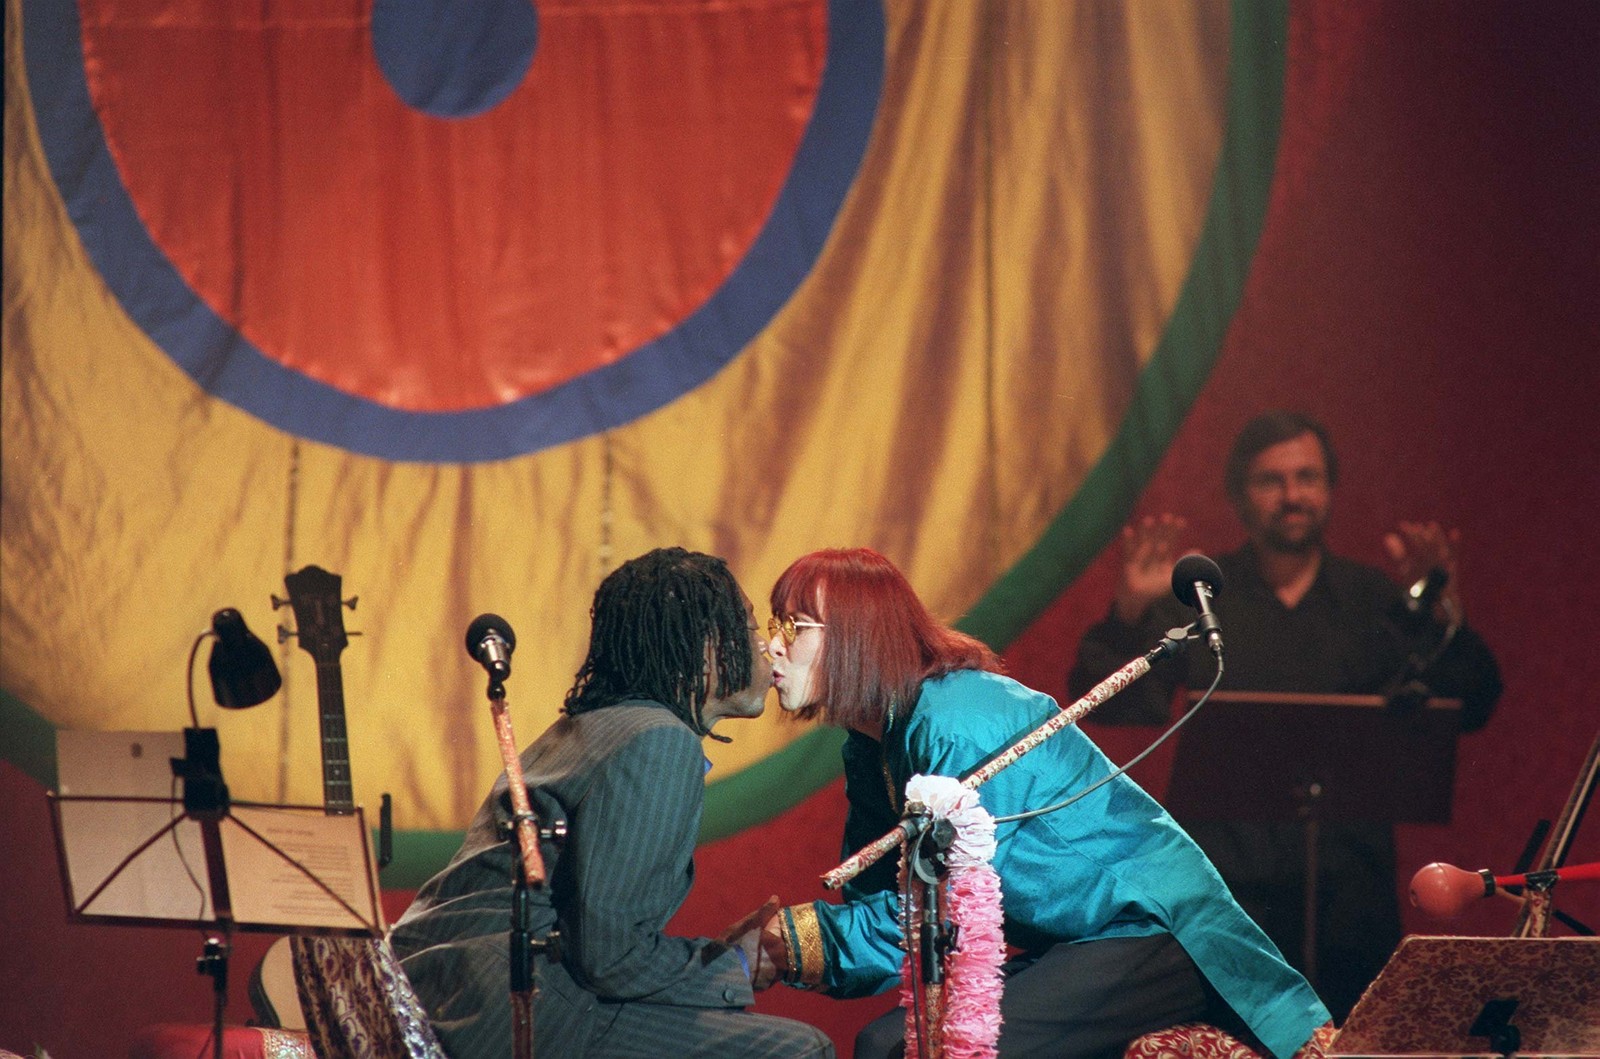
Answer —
468 303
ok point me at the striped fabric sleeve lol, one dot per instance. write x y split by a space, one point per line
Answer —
629 850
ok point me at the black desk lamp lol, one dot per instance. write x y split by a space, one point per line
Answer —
242 674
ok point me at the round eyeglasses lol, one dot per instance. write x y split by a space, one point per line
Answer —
788 628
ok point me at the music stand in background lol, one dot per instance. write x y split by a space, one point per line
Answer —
1449 996
1271 756
219 867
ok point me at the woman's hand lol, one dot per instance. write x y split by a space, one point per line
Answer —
749 935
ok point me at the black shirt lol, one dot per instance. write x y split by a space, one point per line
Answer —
1349 634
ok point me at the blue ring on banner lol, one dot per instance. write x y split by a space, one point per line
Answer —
220 360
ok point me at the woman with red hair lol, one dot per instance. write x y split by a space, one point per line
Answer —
1120 923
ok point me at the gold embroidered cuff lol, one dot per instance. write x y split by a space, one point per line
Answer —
802 943
791 951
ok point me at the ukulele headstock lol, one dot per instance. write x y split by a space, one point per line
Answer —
319 621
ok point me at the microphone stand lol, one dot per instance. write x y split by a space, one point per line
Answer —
936 936
524 987
528 873
1405 692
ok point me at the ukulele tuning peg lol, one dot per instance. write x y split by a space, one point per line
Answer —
285 634
351 602
278 602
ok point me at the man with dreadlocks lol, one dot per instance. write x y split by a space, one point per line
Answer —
674 648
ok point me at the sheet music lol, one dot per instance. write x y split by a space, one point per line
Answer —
266 888
110 878
167 880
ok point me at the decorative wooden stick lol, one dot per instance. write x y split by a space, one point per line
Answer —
879 847
522 811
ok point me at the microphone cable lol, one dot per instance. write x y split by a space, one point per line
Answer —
1102 781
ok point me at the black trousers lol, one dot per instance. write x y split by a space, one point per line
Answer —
1085 1001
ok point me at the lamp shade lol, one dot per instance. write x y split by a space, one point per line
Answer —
242 670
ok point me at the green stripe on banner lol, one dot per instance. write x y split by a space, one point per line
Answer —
1167 388
778 782
27 740
1188 349
417 856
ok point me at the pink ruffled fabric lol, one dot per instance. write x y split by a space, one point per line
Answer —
973 984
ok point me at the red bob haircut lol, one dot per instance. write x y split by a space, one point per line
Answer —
880 643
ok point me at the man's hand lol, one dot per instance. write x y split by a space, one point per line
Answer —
1416 548
747 935
1149 551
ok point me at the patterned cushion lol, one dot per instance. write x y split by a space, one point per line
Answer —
1192 1040
1196 1040
169 1040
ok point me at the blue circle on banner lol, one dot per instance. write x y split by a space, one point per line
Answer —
454 58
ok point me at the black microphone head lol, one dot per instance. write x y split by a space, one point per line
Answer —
482 626
1190 569
1422 595
1414 611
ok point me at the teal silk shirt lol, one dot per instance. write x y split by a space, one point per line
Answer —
1112 864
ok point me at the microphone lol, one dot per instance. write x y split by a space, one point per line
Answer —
1422 595
490 642
1446 891
1196 581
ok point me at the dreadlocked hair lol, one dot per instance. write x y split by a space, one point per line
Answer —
652 619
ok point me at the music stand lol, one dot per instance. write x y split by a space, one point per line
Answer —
146 861
1282 756
1452 996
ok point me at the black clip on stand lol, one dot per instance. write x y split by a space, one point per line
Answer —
213 962
524 946
928 842
1494 1022
936 936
